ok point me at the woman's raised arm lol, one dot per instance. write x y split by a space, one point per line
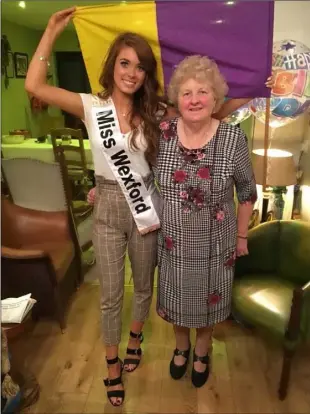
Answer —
232 105
36 83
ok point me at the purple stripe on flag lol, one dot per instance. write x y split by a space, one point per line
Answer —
237 36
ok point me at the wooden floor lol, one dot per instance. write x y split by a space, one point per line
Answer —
70 368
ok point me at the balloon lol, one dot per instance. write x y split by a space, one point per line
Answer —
240 115
258 109
258 105
282 48
290 95
274 121
287 107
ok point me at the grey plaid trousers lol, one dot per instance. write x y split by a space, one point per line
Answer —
115 232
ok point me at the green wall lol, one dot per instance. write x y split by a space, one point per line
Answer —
16 112
15 103
247 127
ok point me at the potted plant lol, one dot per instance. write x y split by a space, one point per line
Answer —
5 50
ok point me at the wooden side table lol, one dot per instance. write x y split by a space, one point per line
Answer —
15 330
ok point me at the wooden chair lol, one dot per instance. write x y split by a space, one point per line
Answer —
75 157
40 251
82 217
82 212
75 164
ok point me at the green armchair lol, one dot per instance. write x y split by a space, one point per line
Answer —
272 286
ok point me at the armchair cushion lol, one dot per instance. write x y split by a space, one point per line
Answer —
25 227
264 301
61 255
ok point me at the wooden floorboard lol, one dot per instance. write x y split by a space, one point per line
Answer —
70 367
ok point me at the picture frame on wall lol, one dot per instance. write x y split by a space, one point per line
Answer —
10 71
20 64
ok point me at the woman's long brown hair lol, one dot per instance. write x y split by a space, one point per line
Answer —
146 99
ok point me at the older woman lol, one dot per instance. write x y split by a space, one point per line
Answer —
200 161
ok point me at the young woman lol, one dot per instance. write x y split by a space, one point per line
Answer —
123 132
123 128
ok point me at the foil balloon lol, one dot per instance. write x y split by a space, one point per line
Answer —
240 115
258 109
291 91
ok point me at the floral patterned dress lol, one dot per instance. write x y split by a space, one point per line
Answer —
197 239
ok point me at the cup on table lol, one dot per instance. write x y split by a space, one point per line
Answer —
41 139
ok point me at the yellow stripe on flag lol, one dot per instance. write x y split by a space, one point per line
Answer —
97 27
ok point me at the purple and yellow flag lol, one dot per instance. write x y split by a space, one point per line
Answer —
238 35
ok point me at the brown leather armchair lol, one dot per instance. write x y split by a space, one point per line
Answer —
40 252
39 257
45 186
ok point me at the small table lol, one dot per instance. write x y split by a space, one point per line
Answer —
30 148
14 330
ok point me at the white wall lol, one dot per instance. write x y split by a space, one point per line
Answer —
305 163
291 20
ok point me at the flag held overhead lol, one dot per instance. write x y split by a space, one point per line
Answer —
239 37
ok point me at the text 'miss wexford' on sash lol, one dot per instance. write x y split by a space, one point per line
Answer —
109 136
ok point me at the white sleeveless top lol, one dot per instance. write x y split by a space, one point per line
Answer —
100 164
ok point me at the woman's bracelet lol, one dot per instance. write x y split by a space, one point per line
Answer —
242 237
44 59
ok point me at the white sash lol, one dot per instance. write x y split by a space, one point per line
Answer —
111 141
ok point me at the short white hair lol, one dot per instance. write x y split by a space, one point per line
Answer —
202 69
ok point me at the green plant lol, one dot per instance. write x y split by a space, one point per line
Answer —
5 49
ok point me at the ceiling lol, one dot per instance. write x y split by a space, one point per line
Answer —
37 12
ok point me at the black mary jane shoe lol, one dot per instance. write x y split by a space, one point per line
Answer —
136 351
120 394
200 378
177 371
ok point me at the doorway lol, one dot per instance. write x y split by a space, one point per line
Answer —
72 76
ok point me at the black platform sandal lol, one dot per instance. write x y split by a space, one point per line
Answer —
136 351
200 378
177 371
115 381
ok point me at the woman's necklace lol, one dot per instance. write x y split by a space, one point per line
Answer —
125 114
